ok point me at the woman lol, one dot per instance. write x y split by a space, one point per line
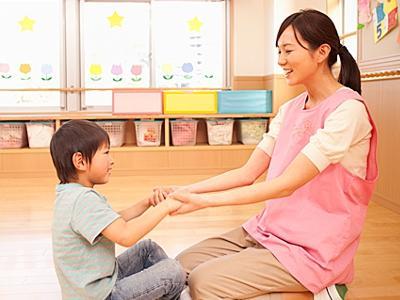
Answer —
320 154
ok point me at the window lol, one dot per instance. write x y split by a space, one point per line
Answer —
120 55
170 44
344 15
189 44
92 46
30 55
349 34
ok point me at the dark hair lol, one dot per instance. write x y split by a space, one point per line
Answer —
74 136
316 29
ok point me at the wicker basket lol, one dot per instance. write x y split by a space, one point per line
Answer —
115 130
12 135
184 132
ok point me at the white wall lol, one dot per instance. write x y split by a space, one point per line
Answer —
249 37
283 9
256 23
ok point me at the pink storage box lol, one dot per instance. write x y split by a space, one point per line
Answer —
184 132
12 135
137 102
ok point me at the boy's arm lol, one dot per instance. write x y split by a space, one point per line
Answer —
128 233
135 210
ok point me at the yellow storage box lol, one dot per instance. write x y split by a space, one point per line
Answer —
190 102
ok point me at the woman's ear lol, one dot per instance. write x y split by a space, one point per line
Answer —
323 52
79 162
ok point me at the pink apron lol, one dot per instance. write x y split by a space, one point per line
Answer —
315 231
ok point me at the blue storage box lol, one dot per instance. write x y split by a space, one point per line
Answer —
245 102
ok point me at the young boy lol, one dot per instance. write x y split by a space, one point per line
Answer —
85 228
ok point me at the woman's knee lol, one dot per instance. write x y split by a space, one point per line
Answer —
202 282
186 260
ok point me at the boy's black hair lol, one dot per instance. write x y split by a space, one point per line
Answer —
74 136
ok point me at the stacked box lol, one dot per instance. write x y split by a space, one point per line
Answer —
184 132
251 131
137 102
12 135
220 131
148 133
39 133
245 102
190 102
115 130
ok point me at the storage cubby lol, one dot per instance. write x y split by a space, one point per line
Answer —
113 124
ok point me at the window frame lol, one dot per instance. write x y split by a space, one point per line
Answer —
339 19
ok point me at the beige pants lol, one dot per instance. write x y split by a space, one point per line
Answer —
235 266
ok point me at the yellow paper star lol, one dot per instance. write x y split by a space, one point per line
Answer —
26 24
115 19
195 24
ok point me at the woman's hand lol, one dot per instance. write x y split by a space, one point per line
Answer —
160 193
190 202
171 204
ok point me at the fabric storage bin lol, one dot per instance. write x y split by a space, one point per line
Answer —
39 133
136 102
148 133
245 102
12 135
251 131
115 130
184 132
190 102
219 131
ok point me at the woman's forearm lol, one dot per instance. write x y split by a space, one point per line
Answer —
299 172
247 174
231 179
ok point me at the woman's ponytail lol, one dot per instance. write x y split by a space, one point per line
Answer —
349 72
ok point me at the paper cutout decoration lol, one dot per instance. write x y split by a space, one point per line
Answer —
5 71
136 71
25 69
116 70
364 13
95 71
385 18
115 20
26 24
195 24
167 69
47 72
187 68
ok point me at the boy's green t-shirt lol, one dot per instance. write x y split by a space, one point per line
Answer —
84 260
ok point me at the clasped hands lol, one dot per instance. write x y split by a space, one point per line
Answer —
180 200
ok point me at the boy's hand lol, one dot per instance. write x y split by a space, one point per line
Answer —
160 193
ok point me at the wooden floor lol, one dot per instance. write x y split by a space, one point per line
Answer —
26 269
